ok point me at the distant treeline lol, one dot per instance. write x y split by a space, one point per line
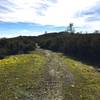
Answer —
16 45
85 47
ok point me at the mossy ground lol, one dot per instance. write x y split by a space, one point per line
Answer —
21 74
87 81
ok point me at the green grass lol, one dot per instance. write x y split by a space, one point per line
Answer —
19 73
87 81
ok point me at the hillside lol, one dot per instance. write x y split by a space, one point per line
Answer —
84 47
46 75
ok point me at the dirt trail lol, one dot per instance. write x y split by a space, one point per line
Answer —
55 78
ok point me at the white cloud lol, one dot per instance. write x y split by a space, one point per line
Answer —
63 12
58 13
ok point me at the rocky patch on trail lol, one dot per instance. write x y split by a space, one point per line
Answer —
56 77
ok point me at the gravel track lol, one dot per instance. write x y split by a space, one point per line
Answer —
56 76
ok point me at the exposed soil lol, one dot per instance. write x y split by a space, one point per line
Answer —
56 77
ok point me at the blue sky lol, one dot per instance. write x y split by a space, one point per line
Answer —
34 17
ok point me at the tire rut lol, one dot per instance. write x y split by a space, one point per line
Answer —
55 78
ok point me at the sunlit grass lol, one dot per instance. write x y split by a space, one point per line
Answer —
19 73
87 81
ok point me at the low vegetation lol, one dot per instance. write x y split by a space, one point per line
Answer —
19 75
18 45
22 74
84 47
87 81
